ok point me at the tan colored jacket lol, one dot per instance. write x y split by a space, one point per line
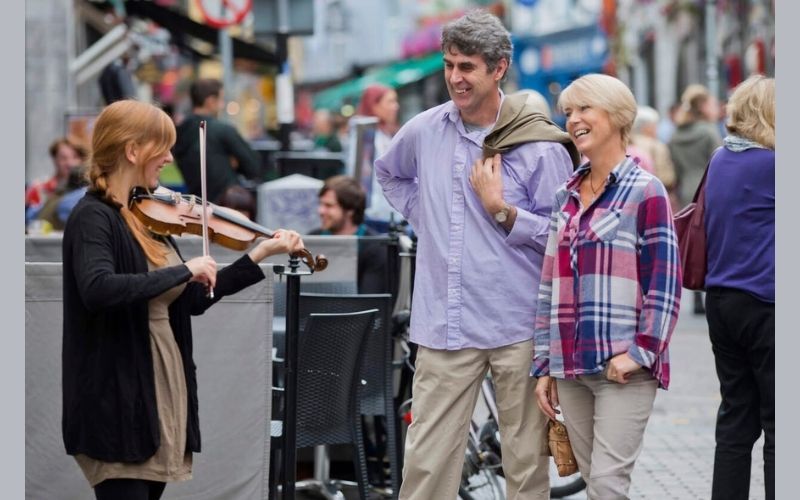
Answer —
519 123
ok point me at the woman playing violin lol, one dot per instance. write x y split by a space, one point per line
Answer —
129 386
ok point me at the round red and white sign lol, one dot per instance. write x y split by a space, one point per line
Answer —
223 13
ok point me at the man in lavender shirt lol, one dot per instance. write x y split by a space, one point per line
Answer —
482 228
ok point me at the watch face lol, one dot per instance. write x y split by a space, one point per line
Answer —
501 216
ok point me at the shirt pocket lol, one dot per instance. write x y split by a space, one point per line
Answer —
603 225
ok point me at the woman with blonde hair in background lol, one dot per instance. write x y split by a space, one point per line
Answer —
694 141
609 293
740 287
128 379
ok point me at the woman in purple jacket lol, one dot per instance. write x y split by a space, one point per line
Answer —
740 286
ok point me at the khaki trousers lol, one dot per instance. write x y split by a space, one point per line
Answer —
606 422
446 387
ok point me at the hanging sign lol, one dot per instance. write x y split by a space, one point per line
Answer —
223 13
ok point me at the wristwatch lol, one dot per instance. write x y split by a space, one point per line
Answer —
502 215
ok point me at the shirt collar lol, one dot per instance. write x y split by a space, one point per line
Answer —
451 111
617 173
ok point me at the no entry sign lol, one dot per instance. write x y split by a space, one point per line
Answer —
223 13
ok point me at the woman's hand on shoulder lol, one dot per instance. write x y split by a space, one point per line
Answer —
204 270
283 241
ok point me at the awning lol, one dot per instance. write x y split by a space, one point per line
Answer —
179 25
394 75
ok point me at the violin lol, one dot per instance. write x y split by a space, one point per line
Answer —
169 213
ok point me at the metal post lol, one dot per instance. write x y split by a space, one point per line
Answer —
284 94
289 459
393 260
712 71
226 54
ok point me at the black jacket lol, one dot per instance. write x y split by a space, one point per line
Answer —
109 403
372 265
223 142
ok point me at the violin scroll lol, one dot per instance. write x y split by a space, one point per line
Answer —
318 264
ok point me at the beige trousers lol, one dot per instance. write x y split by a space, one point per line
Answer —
446 387
606 422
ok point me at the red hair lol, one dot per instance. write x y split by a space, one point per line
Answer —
370 97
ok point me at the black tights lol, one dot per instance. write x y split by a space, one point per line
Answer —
129 489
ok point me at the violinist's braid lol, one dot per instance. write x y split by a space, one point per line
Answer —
154 251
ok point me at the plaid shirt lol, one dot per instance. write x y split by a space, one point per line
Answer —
611 279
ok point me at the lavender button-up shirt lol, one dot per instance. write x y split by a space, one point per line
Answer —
475 285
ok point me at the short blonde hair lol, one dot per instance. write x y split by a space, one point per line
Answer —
604 92
751 110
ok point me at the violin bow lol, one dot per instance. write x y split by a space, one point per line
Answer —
203 199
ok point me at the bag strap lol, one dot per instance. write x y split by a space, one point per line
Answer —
699 193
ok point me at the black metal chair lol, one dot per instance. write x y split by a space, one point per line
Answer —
279 305
376 395
330 352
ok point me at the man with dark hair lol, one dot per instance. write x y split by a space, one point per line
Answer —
482 220
342 201
227 154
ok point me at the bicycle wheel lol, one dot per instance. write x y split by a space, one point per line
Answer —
480 479
561 487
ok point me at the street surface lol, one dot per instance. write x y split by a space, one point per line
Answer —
678 456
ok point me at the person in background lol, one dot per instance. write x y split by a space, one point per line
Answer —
341 213
482 225
55 211
666 126
66 156
324 132
645 137
609 294
740 287
691 146
380 102
538 101
117 81
694 140
129 386
228 155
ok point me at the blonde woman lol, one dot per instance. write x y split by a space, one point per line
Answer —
129 384
609 292
691 146
740 287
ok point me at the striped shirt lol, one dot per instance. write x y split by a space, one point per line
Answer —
611 278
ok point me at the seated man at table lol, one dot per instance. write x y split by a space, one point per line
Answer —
342 202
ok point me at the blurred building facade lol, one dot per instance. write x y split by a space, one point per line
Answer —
656 46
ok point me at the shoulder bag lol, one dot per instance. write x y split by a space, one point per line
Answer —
690 229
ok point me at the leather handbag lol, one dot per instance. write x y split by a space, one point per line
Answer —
561 449
690 229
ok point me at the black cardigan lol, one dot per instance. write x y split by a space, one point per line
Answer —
109 401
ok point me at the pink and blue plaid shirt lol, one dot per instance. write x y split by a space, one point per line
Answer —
611 278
